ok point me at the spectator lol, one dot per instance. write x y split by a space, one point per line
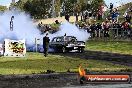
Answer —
90 14
93 29
88 28
115 15
76 17
86 16
41 27
67 17
105 27
98 29
116 28
57 22
99 15
111 7
128 18
126 28
94 15
119 29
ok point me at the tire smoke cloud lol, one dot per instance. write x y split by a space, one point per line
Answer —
25 28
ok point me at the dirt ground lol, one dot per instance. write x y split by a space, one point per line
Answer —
121 59
64 80
60 19
67 80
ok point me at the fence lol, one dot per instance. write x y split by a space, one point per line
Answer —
113 33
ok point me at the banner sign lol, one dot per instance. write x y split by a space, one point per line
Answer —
14 48
107 78
1 49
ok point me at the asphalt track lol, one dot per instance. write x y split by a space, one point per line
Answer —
68 80
103 86
115 58
55 80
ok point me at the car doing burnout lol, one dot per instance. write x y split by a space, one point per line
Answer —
67 43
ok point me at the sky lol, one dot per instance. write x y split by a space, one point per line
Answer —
116 2
5 2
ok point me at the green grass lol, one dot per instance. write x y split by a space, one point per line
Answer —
55 26
37 63
113 47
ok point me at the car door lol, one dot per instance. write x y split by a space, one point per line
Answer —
59 43
56 43
53 43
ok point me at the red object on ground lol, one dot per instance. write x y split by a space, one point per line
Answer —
102 78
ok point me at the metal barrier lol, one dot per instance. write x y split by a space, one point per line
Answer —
114 33
120 32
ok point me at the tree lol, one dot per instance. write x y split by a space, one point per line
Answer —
68 6
77 10
3 8
96 4
20 4
38 8
43 8
57 7
90 5
83 5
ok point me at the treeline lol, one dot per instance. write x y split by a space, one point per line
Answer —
53 8
3 8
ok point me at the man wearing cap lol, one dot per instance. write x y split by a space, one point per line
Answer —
46 41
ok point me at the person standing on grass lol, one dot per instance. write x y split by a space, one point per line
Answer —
46 41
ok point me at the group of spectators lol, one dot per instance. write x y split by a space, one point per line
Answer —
43 28
105 28
111 27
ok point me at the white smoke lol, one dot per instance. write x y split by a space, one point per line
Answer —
24 28
71 30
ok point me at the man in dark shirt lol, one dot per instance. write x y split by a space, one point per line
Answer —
111 7
128 18
67 17
93 28
46 41
57 22
98 29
